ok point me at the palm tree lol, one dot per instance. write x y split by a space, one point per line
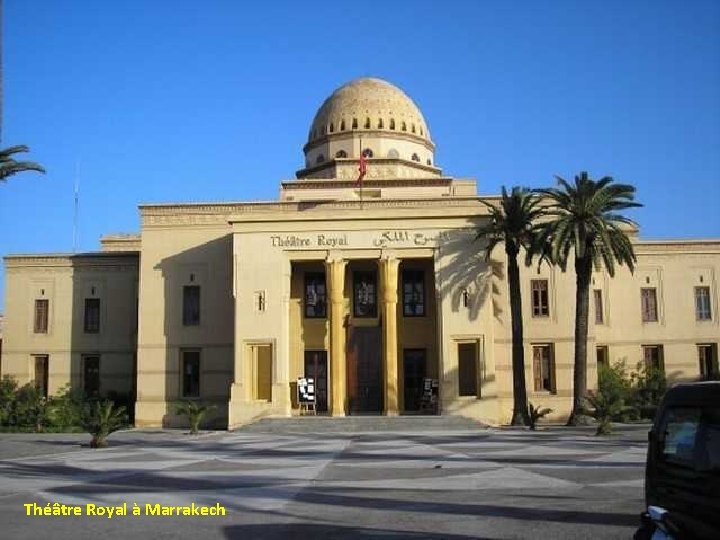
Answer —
515 224
584 219
9 166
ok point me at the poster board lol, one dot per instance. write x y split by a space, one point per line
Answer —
306 393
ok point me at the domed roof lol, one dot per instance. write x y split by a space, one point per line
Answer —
368 104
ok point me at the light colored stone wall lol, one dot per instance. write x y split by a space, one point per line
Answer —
674 268
172 257
65 281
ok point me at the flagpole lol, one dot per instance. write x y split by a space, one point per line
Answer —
361 178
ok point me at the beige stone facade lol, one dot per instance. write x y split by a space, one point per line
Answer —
372 289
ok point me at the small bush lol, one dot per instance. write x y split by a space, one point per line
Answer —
101 419
604 407
536 413
65 410
650 385
195 412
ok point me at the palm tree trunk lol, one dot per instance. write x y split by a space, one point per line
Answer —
520 412
583 273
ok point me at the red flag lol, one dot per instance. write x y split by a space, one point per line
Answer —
362 169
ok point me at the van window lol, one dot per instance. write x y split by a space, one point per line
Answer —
692 437
710 437
680 430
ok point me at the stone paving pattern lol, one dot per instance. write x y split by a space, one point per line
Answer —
313 482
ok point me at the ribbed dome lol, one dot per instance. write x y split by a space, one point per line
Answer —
368 104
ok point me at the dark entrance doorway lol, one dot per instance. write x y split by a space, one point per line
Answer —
316 367
364 370
414 370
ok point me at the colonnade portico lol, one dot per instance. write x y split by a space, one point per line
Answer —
388 274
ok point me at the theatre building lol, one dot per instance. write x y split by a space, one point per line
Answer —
374 289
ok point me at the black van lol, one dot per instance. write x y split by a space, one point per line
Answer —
683 461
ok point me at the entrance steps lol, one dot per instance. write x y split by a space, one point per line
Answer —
362 424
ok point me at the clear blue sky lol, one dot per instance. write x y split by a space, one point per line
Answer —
163 101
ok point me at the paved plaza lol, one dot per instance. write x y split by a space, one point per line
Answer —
314 482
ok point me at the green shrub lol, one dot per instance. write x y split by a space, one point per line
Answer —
101 419
616 385
8 389
195 412
536 413
65 410
29 408
649 385
604 407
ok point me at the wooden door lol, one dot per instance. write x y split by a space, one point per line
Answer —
414 369
364 370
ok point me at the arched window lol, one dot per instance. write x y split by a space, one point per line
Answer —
367 123
392 123
413 128
320 159
368 153
354 123
341 154
380 123
415 157
342 125
392 153
421 131
429 162
332 127
403 126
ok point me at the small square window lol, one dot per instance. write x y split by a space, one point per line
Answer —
315 295
599 315
92 315
413 286
707 355
467 369
190 374
540 298
544 368
653 357
191 305
91 376
702 304
364 294
648 297
42 309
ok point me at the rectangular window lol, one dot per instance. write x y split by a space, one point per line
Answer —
544 368
190 361
648 297
467 369
540 299
42 310
413 286
680 427
653 357
602 356
42 374
707 354
702 304
191 305
364 294
91 376
315 295
599 315
92 315
262 358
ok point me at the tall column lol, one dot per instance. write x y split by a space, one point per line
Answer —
336 276
389 277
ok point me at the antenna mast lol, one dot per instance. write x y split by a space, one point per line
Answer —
77 206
